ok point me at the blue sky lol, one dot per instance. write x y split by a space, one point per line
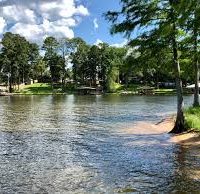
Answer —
37 19
86 28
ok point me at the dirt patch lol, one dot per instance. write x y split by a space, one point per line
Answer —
190 138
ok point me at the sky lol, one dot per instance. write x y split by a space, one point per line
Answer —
37 19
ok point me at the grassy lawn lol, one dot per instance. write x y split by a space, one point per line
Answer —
130 89
134 88
45 88
39 89
192 117
165 91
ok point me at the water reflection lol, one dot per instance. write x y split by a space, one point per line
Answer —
74 144
187 174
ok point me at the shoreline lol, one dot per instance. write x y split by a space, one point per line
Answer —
163 127
105 93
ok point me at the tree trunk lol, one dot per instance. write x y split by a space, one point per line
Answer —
18 82
157 72
63 71
63 84
75 74
180 120
10 79
196 68
10 84
23 80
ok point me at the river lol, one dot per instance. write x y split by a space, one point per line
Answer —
77 144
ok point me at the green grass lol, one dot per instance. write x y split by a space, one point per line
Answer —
134 88
164 91
39 89
192 117
130 87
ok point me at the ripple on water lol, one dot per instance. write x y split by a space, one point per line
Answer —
77 144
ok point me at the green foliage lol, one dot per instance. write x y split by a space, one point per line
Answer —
159 25
17 57
39 67
39 89
54 61
79 58
98 63
192 116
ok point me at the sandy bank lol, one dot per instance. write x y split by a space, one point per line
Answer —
164 127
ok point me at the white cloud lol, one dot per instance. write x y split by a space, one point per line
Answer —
61 9
95 23
98 41
2 25
18 14
35 20
82 10
66 22
37 33
119 45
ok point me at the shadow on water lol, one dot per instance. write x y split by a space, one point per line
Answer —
74 144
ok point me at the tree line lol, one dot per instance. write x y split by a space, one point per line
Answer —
90 65
58 60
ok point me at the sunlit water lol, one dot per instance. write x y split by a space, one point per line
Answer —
76 144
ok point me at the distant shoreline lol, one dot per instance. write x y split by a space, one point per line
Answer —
46 89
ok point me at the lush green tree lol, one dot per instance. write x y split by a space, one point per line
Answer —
79 59
34 58
15 58
98 64
66 48
160 21
190 11
153 59
56 68
39 68
115 62
52 59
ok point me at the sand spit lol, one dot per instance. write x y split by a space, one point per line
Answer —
163 127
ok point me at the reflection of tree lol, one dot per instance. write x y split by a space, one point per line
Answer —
187 163
84 108
84 99
19 112
57 110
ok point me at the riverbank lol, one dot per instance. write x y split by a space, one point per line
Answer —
46 89
163 127
39 89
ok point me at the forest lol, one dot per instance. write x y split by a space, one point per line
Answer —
73 59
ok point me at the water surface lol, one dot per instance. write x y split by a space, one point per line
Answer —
77 144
